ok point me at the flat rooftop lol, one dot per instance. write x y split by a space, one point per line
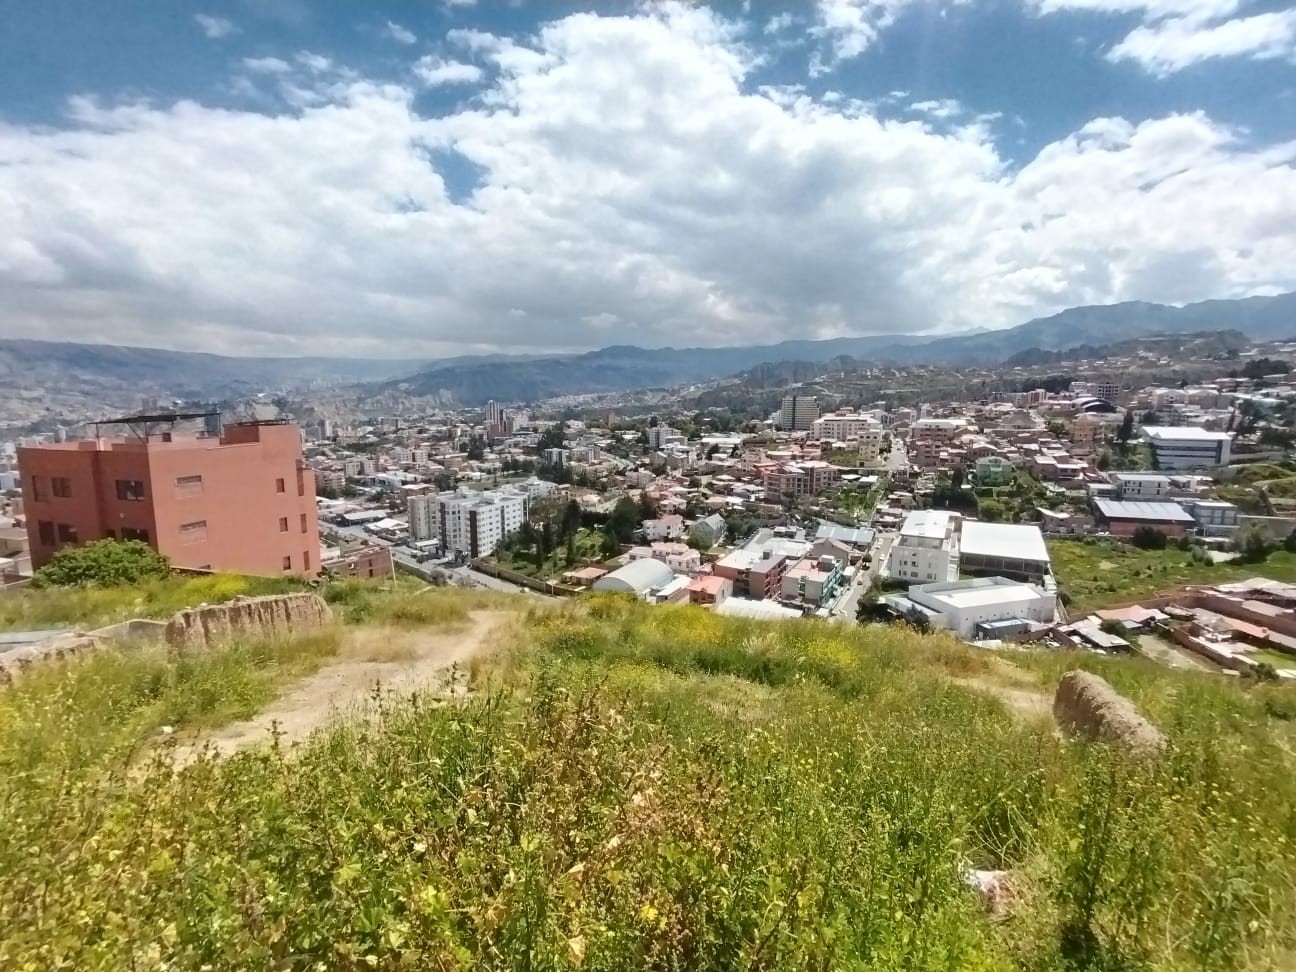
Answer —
1015 541
1136 510
977 597
1183 433
933 524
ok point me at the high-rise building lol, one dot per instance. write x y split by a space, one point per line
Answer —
1108 392
243 501
474 523
424 516
798 413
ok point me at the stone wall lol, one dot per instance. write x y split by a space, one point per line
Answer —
15 662
1088 707
273 616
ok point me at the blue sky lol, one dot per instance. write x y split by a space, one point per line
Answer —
425 177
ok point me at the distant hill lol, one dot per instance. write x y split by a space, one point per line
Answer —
623 368
110 371
148 370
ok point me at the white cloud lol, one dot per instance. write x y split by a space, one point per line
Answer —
215 27
628 187
401 35
266 65
1177 34
434 71
1179 42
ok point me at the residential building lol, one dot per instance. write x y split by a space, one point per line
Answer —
1122 517
857 428
1215 518
679 557
424 516
994 471
927 548
808 478
1015 550
1187 447
710 590
798 413
361 560
330 480
709 530
813 582
756 573
963 607
661 436
1108 392
242 501
1140 486
667 527
474 524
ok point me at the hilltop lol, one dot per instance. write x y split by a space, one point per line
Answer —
627 787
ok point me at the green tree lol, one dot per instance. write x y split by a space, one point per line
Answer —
1104 460
917 620
554 437
103 563
992 510
611 546
1252 544
1126 430
476 448
647 508
624 520
571 548
1148 538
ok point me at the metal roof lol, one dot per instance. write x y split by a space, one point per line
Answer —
855 536
1014 541
1138 510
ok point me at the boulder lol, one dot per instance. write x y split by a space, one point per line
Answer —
1087 707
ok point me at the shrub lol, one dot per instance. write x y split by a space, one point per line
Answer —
103 563
1148 538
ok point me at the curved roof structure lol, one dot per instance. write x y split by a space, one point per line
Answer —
638 577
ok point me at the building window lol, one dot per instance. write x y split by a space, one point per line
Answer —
194 532
38 488
189 480
283 524
67 533
135 533
305 560
61 487
110 534
189 485
303 523
130 489
45 530
280 487
287 562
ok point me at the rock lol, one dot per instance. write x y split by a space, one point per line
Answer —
273 616
994 888
1088 707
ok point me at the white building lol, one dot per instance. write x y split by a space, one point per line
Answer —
927 549
1141 486
668 527
475 523
798 413
424 517
1187 447
1015 550
854 427
661 436
960 606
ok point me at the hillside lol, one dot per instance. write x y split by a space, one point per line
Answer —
634 787
624 368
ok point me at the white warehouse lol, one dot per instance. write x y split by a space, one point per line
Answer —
962 605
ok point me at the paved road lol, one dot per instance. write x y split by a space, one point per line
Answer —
846 606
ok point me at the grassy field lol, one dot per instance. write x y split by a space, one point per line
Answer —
1098 573
31 609
640 788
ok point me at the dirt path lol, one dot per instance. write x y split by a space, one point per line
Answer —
1014 688
399 661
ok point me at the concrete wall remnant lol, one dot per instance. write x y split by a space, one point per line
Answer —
272 616
1088 707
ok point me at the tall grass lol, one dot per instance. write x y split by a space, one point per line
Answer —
90 607
666 789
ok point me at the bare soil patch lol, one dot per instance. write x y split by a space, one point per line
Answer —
373 660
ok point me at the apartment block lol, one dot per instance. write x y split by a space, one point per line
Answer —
424 516
474 524
807 478
242 501
927 548
798 413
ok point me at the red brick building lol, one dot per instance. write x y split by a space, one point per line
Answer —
243 501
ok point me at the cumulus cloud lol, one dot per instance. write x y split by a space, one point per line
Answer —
1177 34
619 179
216 28
434 71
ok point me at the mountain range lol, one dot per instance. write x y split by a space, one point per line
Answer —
473 380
